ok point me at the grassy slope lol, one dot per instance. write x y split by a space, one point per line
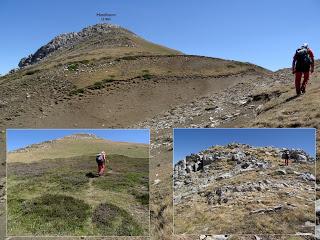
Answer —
164 66
126 67
51 183
288 111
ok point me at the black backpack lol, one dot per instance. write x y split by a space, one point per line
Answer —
303 58
99 158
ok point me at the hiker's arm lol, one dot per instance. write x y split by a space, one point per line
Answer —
312 60
294 64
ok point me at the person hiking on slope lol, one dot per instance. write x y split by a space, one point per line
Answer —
101 161
286 157
302 64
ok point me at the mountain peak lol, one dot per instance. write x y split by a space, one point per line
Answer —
105 34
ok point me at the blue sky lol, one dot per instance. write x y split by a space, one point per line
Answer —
262 32
21 138
187 141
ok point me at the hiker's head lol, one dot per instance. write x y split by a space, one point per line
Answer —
305 45
103 152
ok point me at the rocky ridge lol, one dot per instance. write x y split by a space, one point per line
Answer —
203 163
113 35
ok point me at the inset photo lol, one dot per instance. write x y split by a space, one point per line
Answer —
244 181
78 182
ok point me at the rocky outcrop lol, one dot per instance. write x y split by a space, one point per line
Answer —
197 172
235 152
239 181
108 34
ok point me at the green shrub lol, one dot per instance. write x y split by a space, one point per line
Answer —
142 197
120 183
135 178
73 67
130 58
117 184
112 220
31 72
147 76
101 84
231 66
77 91
108 80
70 182
48 214
97 85
85 61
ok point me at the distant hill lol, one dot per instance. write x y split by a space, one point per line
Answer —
76 145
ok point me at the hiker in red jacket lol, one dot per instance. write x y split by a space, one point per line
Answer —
101 161
303 63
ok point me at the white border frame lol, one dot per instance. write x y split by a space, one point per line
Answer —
251 234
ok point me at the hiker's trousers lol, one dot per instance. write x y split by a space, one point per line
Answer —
301 87
101 168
